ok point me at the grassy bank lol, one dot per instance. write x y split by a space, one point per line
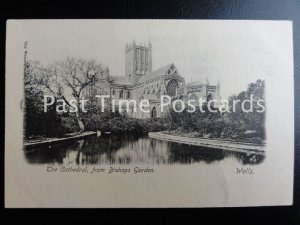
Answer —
124 125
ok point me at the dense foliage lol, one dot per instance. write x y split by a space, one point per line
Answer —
236 124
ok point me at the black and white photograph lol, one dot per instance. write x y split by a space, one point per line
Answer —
164 100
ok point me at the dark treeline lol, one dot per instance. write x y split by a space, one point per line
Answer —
235 124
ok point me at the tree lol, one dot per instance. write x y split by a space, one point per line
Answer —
69 78
36 122
251 121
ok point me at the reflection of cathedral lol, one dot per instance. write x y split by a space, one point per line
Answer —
140 82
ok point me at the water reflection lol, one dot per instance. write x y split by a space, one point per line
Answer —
130 150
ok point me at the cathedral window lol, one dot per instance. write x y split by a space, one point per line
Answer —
153 113
209 97
172 88
114 92
128 94
121 94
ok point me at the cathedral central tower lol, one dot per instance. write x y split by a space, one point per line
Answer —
138 61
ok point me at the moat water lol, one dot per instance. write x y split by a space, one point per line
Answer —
126 150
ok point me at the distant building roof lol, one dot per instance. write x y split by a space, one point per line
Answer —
121 80
166 70
157 73
193 84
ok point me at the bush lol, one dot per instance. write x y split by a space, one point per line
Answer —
97 122
36 121
123 125
69 124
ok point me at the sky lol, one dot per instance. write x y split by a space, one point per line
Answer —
235 53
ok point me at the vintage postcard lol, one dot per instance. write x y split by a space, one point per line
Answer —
149 113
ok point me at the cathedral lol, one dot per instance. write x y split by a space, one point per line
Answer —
141 82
